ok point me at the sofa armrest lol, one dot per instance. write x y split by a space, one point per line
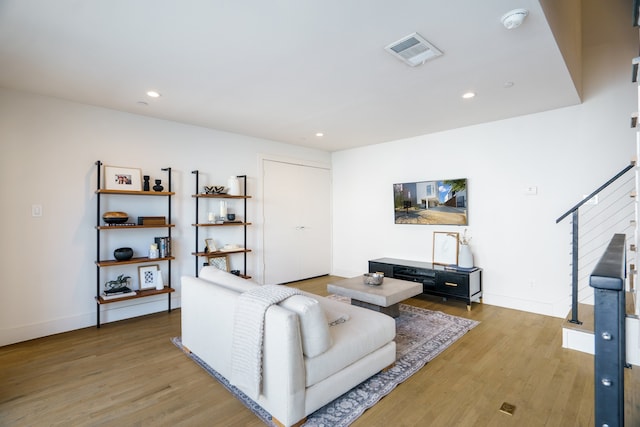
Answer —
283 382
208 313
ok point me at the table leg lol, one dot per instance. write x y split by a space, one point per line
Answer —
392 310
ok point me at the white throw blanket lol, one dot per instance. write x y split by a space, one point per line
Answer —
248 335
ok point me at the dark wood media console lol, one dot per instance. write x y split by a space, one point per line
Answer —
440 280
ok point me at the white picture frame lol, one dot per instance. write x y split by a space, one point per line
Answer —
210 245
119 178
445 247
148 276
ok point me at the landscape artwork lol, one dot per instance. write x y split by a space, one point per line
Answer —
431 202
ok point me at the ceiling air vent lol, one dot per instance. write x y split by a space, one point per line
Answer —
413 49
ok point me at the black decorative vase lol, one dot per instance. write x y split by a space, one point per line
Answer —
145 185
123 254
158 187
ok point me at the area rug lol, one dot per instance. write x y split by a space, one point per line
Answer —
421 335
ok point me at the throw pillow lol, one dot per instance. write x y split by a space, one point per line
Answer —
313 324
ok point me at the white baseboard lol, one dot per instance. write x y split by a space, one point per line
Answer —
109 313
584 341
578 340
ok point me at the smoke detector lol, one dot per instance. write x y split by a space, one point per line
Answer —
514 18
413 50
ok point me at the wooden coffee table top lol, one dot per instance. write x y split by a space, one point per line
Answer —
392 291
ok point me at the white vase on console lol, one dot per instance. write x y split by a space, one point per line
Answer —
465 257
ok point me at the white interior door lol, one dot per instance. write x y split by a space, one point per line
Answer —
297 221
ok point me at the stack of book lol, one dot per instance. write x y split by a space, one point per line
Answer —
164 246
117 293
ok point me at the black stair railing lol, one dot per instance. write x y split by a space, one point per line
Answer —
607 280
574 212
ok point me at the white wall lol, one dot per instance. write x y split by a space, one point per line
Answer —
565 153
48 150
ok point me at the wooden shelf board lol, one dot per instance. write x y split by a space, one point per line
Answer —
224 224
219 253
219 196
139 294
137 260
124 227
137 193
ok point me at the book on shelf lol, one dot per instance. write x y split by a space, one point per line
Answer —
117 295
164 246
118 290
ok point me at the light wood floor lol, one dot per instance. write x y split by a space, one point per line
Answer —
129 374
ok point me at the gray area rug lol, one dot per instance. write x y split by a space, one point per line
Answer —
420 336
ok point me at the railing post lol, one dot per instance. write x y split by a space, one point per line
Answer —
574 269
607 280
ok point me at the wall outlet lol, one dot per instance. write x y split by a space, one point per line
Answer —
532 190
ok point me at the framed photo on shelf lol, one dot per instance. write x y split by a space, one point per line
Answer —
118 178
210 245
445 247
221 262
149 276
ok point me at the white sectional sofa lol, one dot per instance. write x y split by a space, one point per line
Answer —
314 348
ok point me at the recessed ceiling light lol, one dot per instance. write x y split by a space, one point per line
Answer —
319 134
153 94
468 95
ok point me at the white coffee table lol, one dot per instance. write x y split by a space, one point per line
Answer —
384 298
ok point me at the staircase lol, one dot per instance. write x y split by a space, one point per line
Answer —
610 209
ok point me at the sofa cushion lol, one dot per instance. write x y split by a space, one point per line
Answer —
314 329
228 280
335 317
365 332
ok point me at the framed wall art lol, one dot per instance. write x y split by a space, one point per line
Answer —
445 247
441 202
118 178
220 261
148 276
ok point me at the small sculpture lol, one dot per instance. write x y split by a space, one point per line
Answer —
145 186
158 187
118 284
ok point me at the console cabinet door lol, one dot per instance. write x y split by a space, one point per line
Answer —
297 218
387 269
452 283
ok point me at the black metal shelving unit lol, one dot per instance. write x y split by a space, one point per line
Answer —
100 192
198 224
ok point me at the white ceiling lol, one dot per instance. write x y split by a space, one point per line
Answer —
286 69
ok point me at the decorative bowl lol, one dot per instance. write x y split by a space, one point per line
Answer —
219 189
373 279
115 217
123 254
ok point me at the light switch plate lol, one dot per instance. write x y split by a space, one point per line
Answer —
36 210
